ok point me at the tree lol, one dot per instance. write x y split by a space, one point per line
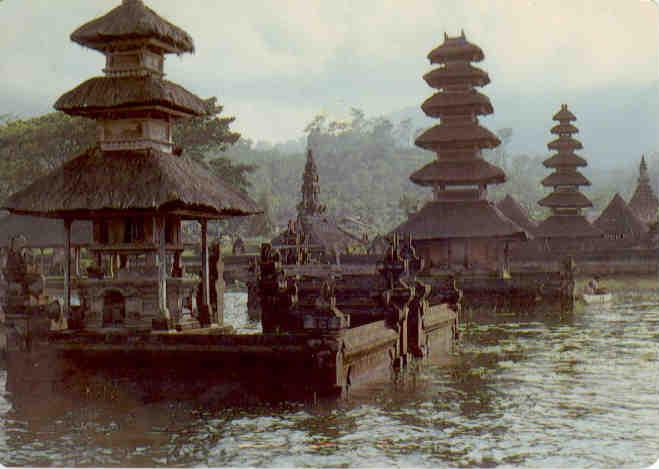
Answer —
33 147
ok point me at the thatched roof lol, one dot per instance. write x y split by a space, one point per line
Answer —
43 232
455 48
564 115
617 218
515 212
132 20
439 103
464 219
566 200
323 231
559 129
128 181
567 226
447 135
565 143
102 95
465 171
644 203
565 159
573 178
455 73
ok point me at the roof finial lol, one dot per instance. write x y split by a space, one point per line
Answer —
128 2
462 33
445 36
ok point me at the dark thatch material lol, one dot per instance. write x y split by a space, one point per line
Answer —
565 144
644 203
472 101
567 226
563 159
564 129
43 232
456 73
455 48
132 20
564 115
105 94
324 232
126 181
464 171
450 136
465 219
566 179
618 219
566 200
515 212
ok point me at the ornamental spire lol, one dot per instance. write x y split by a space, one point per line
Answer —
310 204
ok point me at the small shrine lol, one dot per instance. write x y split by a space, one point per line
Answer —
644 202
621 227
566 228
460 229
314 232
134 185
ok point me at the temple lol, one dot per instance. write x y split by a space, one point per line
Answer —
515 212
319 234
566 228
134 186
459 229
644 202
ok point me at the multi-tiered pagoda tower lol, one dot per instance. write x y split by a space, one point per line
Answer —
566 227
644 202
134 185
459 228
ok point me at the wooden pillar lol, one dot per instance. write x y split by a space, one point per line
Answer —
76 260
67 268
42 262
205 288
466 253
162 274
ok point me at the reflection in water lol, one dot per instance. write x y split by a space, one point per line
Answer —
574 392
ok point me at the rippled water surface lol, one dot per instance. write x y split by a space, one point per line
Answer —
583 391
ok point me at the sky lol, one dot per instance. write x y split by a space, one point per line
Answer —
276 64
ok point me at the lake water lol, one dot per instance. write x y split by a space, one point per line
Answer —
578 392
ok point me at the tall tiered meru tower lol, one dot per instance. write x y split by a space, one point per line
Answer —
566 227
644 202
133 185
459 229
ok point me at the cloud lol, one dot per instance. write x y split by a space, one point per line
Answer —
274 66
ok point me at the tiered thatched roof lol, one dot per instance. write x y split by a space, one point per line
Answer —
132 20
105 95
618 220
130 181
42 232
567 226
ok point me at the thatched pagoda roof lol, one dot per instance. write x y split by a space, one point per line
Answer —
466 171
565 144
468 219
132 20
559 129
617 218
456 73
126 181
644 202
567 226
564 115
443 103
107 94
455 48
572 178
566 200
515 212
564 159
444 135
43 232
